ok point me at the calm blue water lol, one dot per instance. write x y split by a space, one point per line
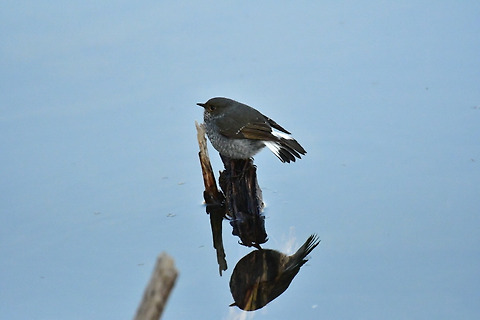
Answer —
100 171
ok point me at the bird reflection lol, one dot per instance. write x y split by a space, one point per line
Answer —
263 275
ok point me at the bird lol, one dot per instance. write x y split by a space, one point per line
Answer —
239 131
263 275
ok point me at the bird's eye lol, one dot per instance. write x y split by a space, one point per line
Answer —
211 108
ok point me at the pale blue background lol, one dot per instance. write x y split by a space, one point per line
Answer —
99 168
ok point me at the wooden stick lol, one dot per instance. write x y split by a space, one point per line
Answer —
211 193
158 289
241 198
213 198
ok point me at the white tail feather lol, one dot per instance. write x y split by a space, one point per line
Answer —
274 147
279 134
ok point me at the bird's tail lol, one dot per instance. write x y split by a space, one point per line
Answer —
285 148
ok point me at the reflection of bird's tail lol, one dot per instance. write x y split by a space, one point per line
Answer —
299 258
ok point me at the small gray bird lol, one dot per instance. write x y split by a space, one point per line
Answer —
238 131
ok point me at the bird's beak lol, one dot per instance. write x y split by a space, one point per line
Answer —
201 105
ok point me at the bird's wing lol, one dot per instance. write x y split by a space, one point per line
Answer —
276 125
258 129
229 127
262 129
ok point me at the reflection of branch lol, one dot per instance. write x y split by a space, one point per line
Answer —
158 289
213 198
216 218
